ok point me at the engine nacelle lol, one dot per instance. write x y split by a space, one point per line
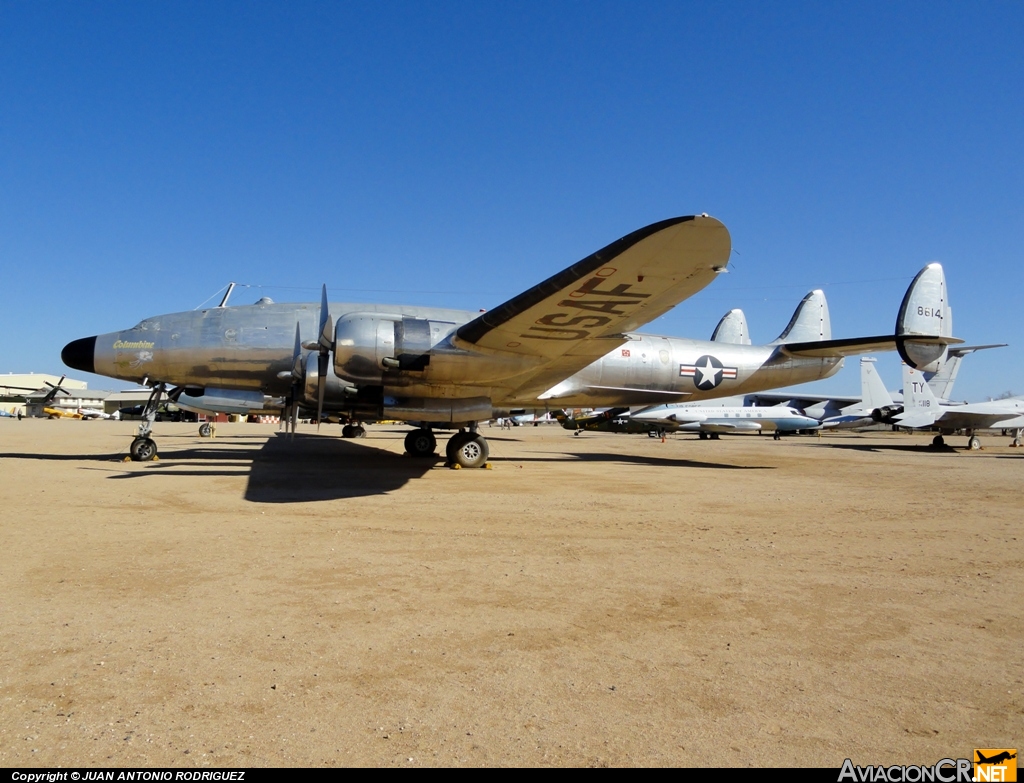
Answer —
335 389
885 414
369 347
362 341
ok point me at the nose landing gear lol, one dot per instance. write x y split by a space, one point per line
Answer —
143 448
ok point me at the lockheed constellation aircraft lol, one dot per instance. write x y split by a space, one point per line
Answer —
568 341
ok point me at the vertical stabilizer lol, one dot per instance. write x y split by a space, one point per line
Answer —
732 329
917 394
873 391
925 312
943 380
810 322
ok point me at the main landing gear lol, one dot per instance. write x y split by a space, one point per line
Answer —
465 449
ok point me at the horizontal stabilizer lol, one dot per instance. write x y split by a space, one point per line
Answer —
915 419
732 329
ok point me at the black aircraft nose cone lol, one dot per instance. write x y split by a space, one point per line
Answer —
78 354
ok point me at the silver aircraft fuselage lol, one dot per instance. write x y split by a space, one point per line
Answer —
250 347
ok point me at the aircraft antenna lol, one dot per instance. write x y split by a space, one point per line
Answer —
227 294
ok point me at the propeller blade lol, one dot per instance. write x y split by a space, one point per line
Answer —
321 366
297 355
323 360
326 323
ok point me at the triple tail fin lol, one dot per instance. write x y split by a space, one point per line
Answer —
810 322
732 329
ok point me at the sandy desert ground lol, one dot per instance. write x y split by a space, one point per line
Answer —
603 600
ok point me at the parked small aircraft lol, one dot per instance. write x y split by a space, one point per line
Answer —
923 410
569 341
711 421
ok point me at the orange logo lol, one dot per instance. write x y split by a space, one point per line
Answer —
995 764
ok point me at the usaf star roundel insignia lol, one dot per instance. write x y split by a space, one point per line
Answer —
707 372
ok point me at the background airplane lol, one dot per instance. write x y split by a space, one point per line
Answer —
711 421
923 410
851 412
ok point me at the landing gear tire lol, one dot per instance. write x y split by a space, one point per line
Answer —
714 436
702 435
938 441
776 436
205 430
420 443
467 450
348 431
453 443
973 443
143 449
358 431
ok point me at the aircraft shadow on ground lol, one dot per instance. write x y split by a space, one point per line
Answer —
285 470
311 468
632 459
909 448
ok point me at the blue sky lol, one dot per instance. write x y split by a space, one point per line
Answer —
457 153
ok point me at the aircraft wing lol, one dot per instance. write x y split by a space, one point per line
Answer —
797 399
739 426
581 313
676 416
